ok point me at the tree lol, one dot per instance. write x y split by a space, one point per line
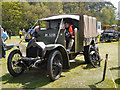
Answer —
55 7
19 15
107 15
34 11
118 22
11 15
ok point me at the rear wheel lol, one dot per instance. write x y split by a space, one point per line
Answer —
91 55
15 67
94 56
55 65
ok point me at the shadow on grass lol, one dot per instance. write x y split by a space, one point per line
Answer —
115 68
108 41
34 78
99 82
117 81
93 87
74 65
88 66
29 79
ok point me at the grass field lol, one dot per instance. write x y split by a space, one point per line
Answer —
80 75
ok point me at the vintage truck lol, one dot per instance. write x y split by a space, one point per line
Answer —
50 47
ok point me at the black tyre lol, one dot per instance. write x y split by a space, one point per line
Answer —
15 67
91 55
55 65
94 56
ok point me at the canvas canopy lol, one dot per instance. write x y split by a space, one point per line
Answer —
89 26
76 17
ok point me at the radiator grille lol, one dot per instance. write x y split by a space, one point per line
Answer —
34 52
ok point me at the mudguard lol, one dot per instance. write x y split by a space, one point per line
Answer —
61 48
22 49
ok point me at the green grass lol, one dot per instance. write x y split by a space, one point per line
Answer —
80 75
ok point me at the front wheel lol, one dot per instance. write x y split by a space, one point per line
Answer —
91 55
14 65
55 65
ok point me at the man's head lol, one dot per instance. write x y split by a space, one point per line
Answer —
37 28
66 24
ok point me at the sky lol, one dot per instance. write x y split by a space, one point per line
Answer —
114 2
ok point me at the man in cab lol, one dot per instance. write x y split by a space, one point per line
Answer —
34 35
69 35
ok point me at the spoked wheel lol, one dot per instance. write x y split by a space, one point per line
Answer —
55 65
94 56
15 67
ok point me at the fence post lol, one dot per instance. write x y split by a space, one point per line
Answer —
105 66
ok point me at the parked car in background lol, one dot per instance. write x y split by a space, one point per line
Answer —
109 35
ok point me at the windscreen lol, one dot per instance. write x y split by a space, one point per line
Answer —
54 24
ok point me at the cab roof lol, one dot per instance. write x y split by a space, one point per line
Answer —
76 17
